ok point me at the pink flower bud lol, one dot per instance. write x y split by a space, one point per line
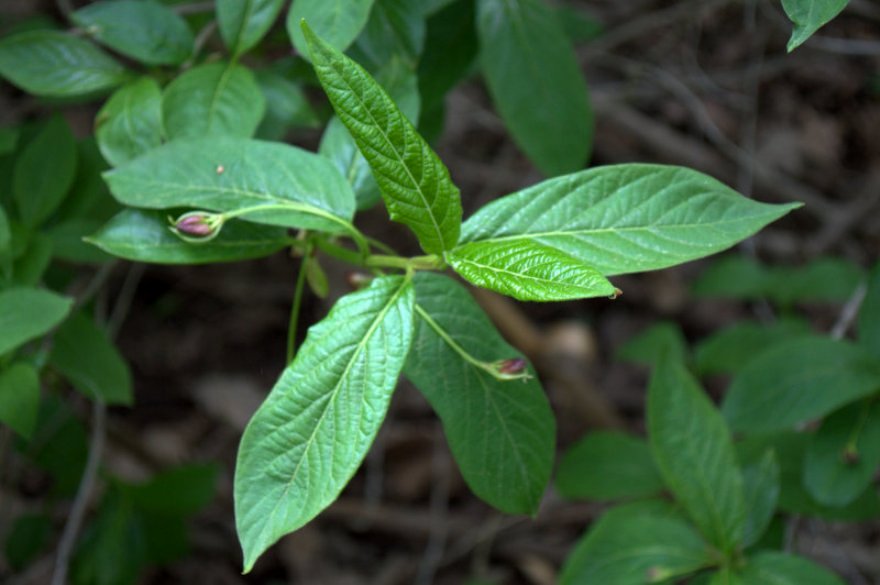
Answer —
197 226
512 366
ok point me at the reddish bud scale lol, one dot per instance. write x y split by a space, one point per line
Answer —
512 366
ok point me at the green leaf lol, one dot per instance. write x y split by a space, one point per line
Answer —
528 271
244 22
20 398
337 144
869 315
143 236
694 452
217 98
625 218
311 434
53 64
724 576
733 276
844 454
608 466
415 184
181 491
797 381
536 82
27 313
808 16
146 31
501 433
298 188
761 494
776 568
395 29
339 22
5 246
449 54
626 548
59 445
729 350
790 448
286 107
85 355
44 172
130 123
29 268
67 239
28 537
662 341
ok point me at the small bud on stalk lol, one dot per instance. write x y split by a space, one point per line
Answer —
511 369
197 226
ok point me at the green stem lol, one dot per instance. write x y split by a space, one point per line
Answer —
487 367
297 303
430 262
339 252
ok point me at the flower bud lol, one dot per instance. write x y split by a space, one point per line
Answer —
512 366
197 226
358 280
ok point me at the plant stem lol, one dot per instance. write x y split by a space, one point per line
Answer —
297 303
430 262
81 502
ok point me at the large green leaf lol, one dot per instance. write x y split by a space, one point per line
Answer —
528 271
130 123
85 355
299 188
776 568
68 241
608 466
415 184
337 144
5 246
286 106
502 433
141 29
54 64
633 548
181 491
28 269
337 21
730 349
536 82
662 341
44 172
869 315
625 218
761 494
311 434
797 381
217 98
809 16
27 313
244 22
20 398
694 451
844 454
143 236
396 29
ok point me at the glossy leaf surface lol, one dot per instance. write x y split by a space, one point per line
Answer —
217 98
809 16
143 236
225 174
339 22
44 172
143 30
634 547
130 123
694 452
536 82
87 357
244 22
843 456
798 381
608 466
761 494
415 184
501 433
53 64
312 432
27 313
527 271
625 218
19 398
